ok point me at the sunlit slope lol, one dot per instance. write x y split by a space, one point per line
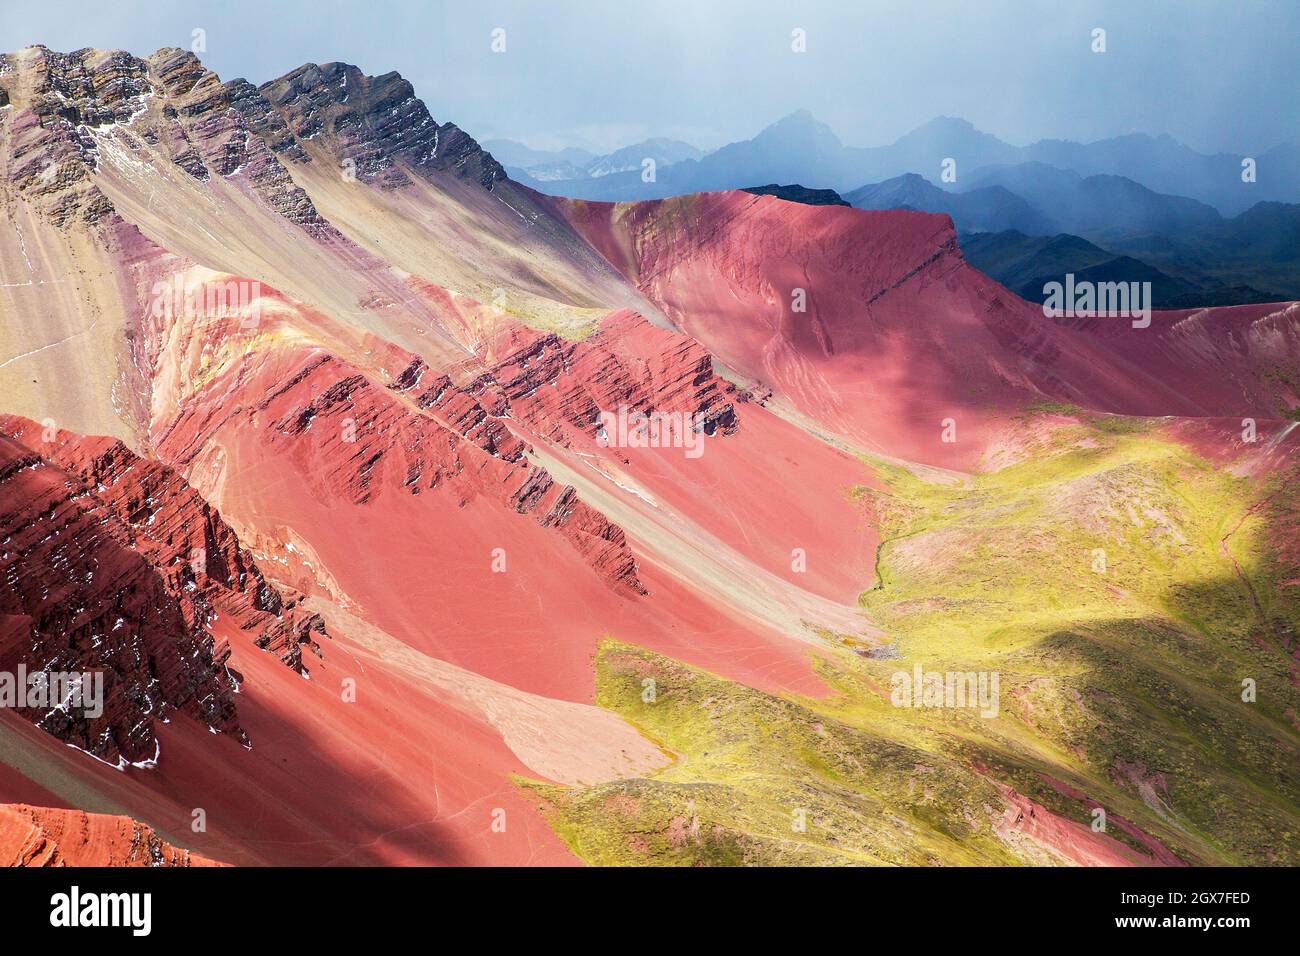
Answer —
123 179
1122 588
873 326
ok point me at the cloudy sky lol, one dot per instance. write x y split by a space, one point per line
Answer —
600 74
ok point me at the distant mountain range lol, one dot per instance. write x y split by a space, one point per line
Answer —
1025 264
800 149
1102 204
515 155
987 209
1193 255
1137 207
1029 223
537 166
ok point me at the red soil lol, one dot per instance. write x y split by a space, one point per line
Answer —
899 333
435 506
41 836
1066 840
388 525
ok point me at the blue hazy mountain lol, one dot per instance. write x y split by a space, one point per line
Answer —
799 148
987 209
1101 205
533 166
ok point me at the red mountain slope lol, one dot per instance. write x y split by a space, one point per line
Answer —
872 324
40 836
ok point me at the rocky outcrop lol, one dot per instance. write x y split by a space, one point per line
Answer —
169 101
60 100
47 836
555 386
797 193
223 129
76 599
198 557
625 362
375 125
87 88
113 564
375 444
77 110
356 442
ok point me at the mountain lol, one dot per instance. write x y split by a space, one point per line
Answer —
925 148
858 326
539 166
411 516
1097 206
1038 183
1016 259
1026 264
796 148
797 193
347 332
515 154
1165 165
989 209
799 148
1254 249
663 151
1193 254
1114 193
1268 230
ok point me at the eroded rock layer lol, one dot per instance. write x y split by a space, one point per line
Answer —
44 836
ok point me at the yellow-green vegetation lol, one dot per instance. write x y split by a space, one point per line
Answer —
763 779
571 322
1124 589
1121 588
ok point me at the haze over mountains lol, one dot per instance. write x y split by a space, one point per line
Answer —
1152 209
541 166
307 446
987 209
799 148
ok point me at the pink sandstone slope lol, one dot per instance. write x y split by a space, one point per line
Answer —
898 333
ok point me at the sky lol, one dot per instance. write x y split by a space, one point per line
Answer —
600 74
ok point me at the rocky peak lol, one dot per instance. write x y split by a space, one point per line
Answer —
224 128
84 88
67 102
376 125
62 99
